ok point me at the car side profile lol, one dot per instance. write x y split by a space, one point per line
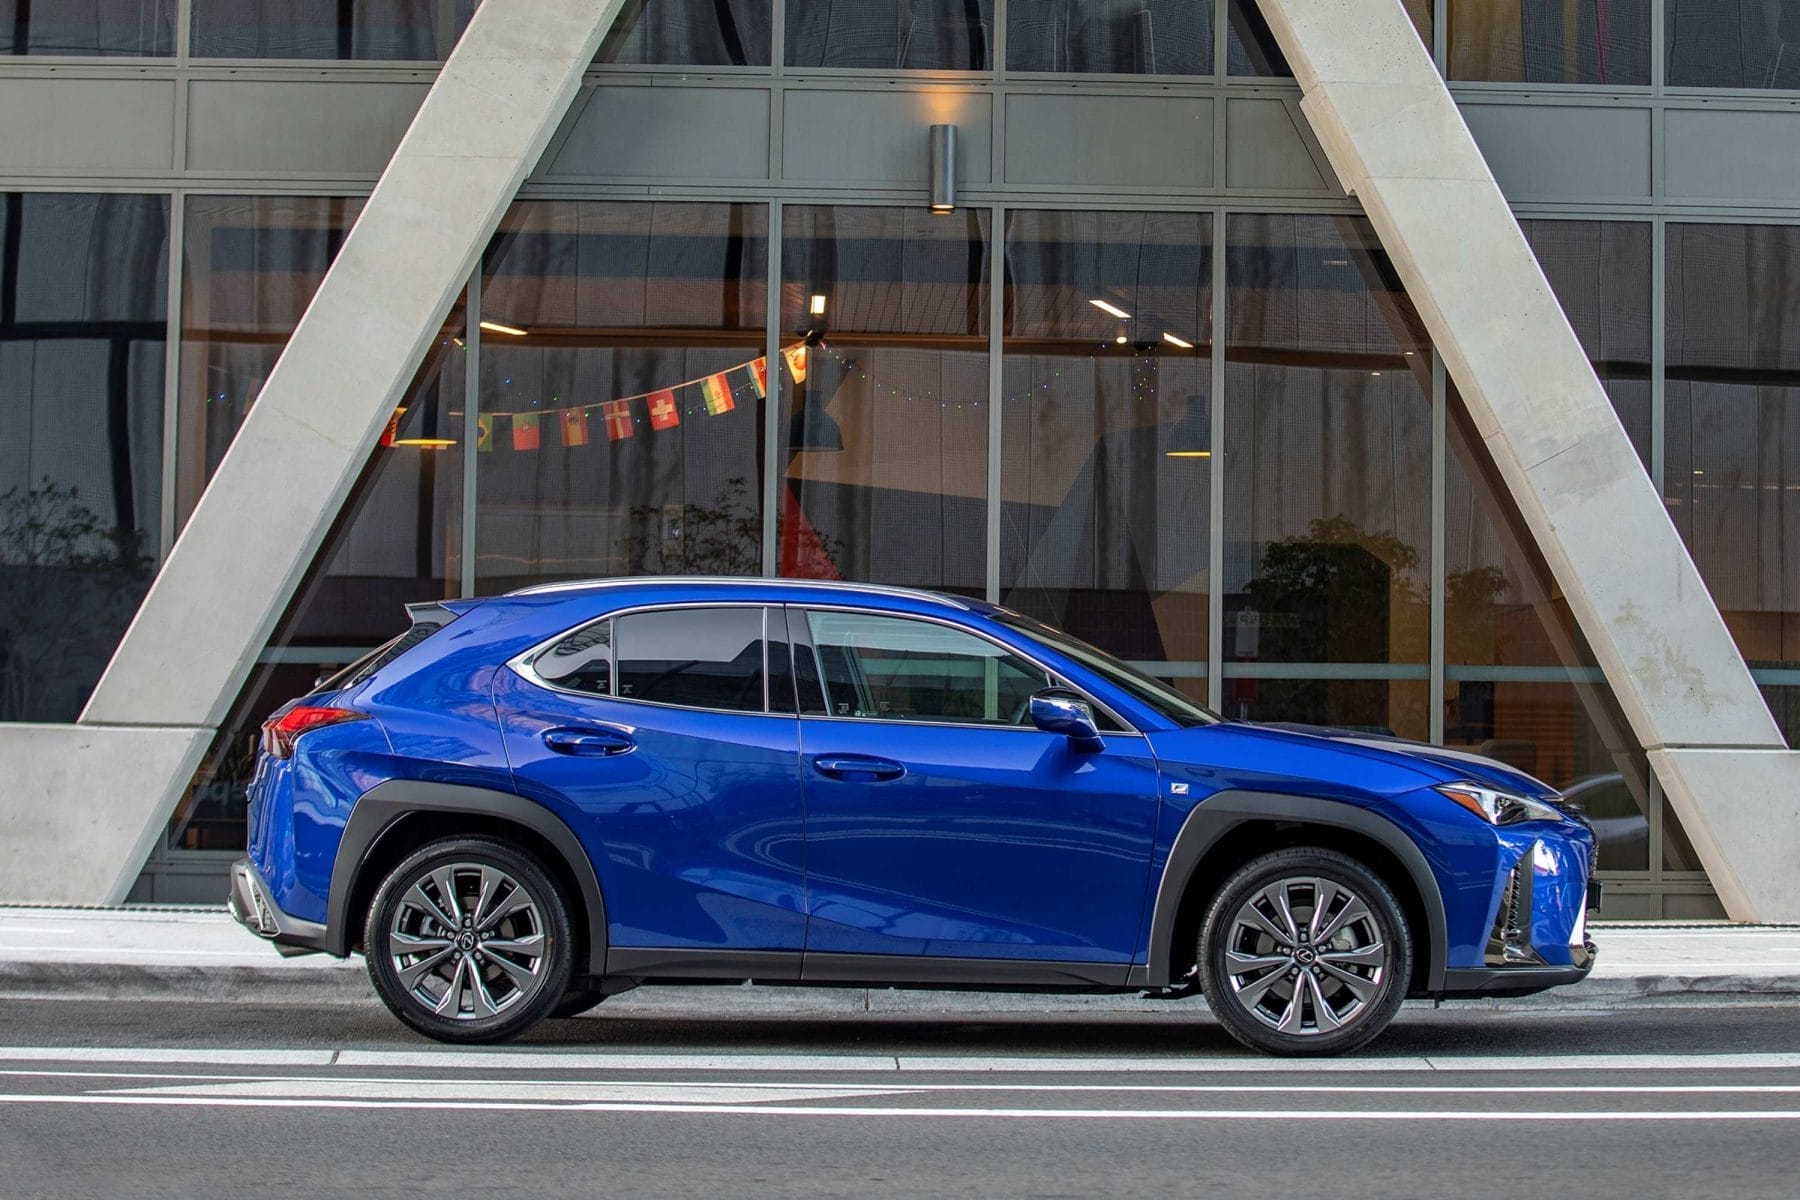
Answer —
528 803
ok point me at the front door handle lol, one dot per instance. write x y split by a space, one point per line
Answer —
589 743
842 766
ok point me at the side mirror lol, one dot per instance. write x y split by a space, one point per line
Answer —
1058 711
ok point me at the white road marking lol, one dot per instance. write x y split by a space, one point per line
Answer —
1558 1116
464 1089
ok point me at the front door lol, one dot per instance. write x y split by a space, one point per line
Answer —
940 821
650 734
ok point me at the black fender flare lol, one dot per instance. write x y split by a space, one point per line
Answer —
384 805
1222 812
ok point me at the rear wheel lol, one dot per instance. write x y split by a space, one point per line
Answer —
468 940
1304 952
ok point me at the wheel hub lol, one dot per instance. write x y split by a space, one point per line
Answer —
1305 956
467 942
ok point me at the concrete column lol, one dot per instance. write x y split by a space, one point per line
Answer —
77 822
1398 143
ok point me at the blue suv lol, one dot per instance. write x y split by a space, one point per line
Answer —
529 803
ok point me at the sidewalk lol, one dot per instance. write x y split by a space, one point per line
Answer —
201 954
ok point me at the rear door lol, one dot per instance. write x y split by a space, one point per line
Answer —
940 821
651 733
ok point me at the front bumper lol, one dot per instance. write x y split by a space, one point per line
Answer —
252 907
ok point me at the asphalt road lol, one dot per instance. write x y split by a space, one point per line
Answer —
152 1100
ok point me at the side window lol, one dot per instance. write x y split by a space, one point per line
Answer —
695 657
581 662
899 669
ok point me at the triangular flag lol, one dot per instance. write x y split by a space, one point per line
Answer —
717 390
574 427
618 418
484 432
759 377
664 412
525 431
796 361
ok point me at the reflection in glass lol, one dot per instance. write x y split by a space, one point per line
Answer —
387 30
1106 450
251 266
901 35
884 471
82 334
1732 467
1250 47
1733 43
1328 467
697 33
621 419
1110 37
88 27
1563 41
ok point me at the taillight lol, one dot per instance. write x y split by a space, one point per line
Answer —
279 733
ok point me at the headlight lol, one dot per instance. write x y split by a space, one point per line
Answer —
1495 806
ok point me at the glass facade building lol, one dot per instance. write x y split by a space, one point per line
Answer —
1155 379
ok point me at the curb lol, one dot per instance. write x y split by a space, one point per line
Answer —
347 984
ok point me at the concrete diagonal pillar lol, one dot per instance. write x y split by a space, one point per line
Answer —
81 804
1397 141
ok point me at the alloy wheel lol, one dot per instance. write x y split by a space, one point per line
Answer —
1305 956
467 942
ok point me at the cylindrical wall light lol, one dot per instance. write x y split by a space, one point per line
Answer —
943 169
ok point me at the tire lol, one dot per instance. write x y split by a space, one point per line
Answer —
1282 995
456 979
576 1001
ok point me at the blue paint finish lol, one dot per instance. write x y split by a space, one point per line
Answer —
720 830
995 842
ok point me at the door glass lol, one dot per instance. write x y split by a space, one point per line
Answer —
695 657
895 669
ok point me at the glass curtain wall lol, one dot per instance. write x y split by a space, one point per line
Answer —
83 286
1106 444
1732 43
1250 47
88 28
884 420
622 376
1599 42
1328 480
382 30
1110 37
701 33
895 35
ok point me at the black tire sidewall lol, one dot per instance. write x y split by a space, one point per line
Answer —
552 907
1259 873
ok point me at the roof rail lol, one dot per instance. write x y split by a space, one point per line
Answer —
578 585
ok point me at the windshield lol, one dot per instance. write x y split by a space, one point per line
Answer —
1152 693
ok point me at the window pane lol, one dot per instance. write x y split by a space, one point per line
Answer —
83 281
88 27
1107 448
1328 466
1732 467
1394 707
389 30
620 392
701 33
1733 43
904 35
581 662
252 265
1551 41
1110 37
884 471
697 658
899 670
1250 47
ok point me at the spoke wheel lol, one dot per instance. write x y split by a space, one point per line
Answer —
469 941
1305 952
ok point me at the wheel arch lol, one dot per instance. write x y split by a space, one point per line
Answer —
1230 828
396 817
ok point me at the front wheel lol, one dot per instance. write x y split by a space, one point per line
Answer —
468 940
1304 952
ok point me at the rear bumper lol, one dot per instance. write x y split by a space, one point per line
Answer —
252 907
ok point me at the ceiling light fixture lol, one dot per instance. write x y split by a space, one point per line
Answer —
817 306
1111 309
509 330
1175 341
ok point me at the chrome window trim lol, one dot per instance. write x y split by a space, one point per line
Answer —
1057 678
577 585
523 666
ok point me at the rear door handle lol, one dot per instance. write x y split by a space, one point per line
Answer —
840 766
589 743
